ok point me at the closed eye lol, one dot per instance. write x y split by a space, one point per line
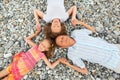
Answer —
61 40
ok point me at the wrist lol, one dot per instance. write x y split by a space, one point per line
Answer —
36 32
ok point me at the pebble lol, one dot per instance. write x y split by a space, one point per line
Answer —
18 21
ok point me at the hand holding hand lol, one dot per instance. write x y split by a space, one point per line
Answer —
64 61
80 22
38 28
74 21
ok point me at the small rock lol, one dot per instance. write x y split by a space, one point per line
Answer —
79 16
9 44
7 55
111 78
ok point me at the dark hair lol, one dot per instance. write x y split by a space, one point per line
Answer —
49 34
51 50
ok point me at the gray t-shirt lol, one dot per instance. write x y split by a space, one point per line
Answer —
95 50
55 9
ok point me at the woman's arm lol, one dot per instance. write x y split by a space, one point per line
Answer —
86 26
29 38
38 14
49 64
72 12
81 70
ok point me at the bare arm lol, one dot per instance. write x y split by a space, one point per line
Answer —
38 14
72 12
86 26
29 38
81 70
49 64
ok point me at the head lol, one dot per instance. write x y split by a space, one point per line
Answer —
56 25
47 46
64 41
50 34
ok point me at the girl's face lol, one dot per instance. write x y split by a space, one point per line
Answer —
56 26
44 45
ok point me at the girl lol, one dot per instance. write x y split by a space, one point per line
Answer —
23 62
54 16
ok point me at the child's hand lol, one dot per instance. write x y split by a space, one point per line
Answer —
38 27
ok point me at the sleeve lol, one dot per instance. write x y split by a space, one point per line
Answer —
77 61
81 32
87 31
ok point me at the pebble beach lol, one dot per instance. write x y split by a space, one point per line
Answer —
17 22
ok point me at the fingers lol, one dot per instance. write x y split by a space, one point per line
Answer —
74 22
38 27
63 59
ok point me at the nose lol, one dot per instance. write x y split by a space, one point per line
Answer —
63 39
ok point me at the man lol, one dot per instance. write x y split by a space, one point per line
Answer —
85 47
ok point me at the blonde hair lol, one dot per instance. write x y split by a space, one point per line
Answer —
51 50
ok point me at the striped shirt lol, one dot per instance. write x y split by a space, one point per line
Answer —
95 50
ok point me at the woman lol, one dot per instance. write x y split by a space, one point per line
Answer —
55 16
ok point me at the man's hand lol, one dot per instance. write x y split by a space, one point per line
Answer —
64 61
74 21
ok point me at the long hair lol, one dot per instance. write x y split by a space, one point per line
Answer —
49 34
51 50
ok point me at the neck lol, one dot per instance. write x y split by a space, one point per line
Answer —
72 41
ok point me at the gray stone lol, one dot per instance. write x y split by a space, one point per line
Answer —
9 44
7 55
17 22
111 78
2 50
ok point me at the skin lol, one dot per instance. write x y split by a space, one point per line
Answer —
65 41
56 24
43 46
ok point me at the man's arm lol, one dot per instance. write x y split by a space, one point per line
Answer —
86 26
81 70
38 14
72 12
